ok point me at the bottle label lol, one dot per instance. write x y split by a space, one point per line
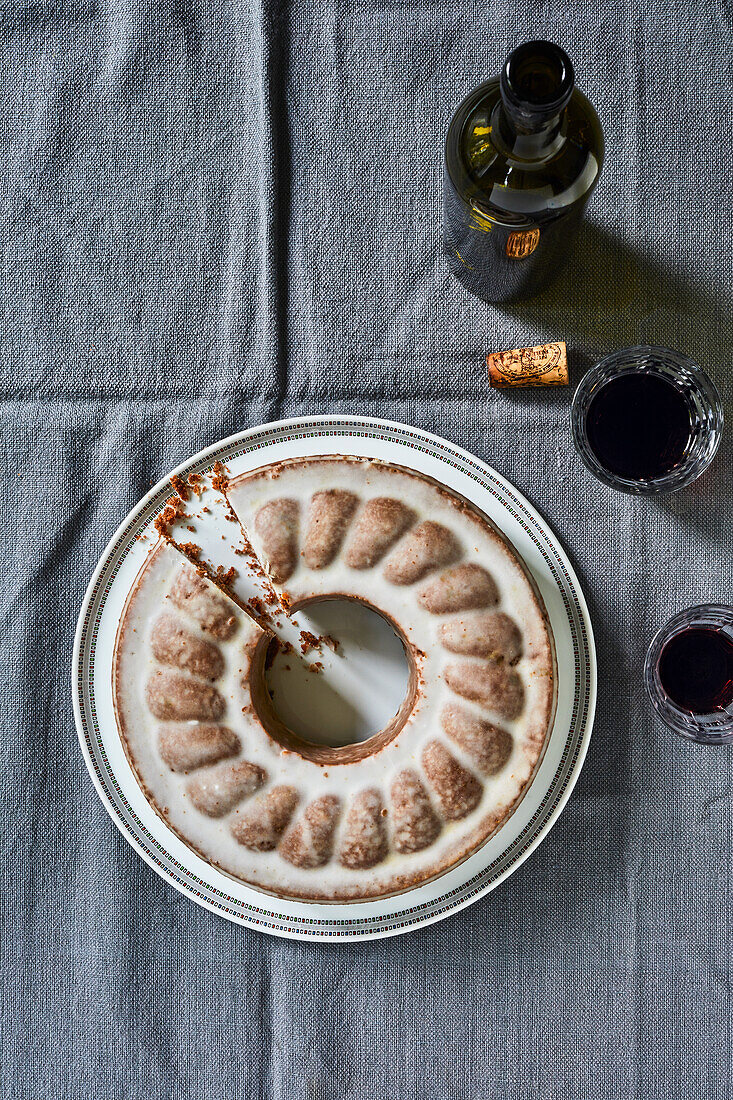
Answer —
522 243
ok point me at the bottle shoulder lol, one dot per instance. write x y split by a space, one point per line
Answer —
505 186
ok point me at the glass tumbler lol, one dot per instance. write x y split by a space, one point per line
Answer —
707 631
700 394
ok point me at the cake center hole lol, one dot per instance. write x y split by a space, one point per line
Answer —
360 689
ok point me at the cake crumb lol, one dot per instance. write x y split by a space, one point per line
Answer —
172 509
308 641
220 480
194 481
180 486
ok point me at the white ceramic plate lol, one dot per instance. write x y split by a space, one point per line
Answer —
535 814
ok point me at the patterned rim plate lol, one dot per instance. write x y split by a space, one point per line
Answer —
535 814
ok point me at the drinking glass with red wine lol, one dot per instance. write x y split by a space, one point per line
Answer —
648 420
689 674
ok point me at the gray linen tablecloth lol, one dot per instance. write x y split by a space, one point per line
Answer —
215 215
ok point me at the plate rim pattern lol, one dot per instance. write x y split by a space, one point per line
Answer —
323 926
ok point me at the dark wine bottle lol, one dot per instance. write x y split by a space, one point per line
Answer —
522 156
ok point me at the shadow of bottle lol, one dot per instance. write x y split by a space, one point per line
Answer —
611 296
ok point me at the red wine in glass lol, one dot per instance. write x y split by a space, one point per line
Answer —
638 426
696 669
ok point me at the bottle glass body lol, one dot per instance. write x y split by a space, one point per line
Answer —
515 194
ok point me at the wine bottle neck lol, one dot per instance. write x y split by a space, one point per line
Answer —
536 84
527 138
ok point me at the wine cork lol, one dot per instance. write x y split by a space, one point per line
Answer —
544 365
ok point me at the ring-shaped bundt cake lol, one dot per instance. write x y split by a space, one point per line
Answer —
365 820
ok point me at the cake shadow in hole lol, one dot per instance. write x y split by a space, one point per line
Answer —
614 295
292 676
368 690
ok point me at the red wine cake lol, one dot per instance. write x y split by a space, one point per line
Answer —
364 820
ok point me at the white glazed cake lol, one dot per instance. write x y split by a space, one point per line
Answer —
363 820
